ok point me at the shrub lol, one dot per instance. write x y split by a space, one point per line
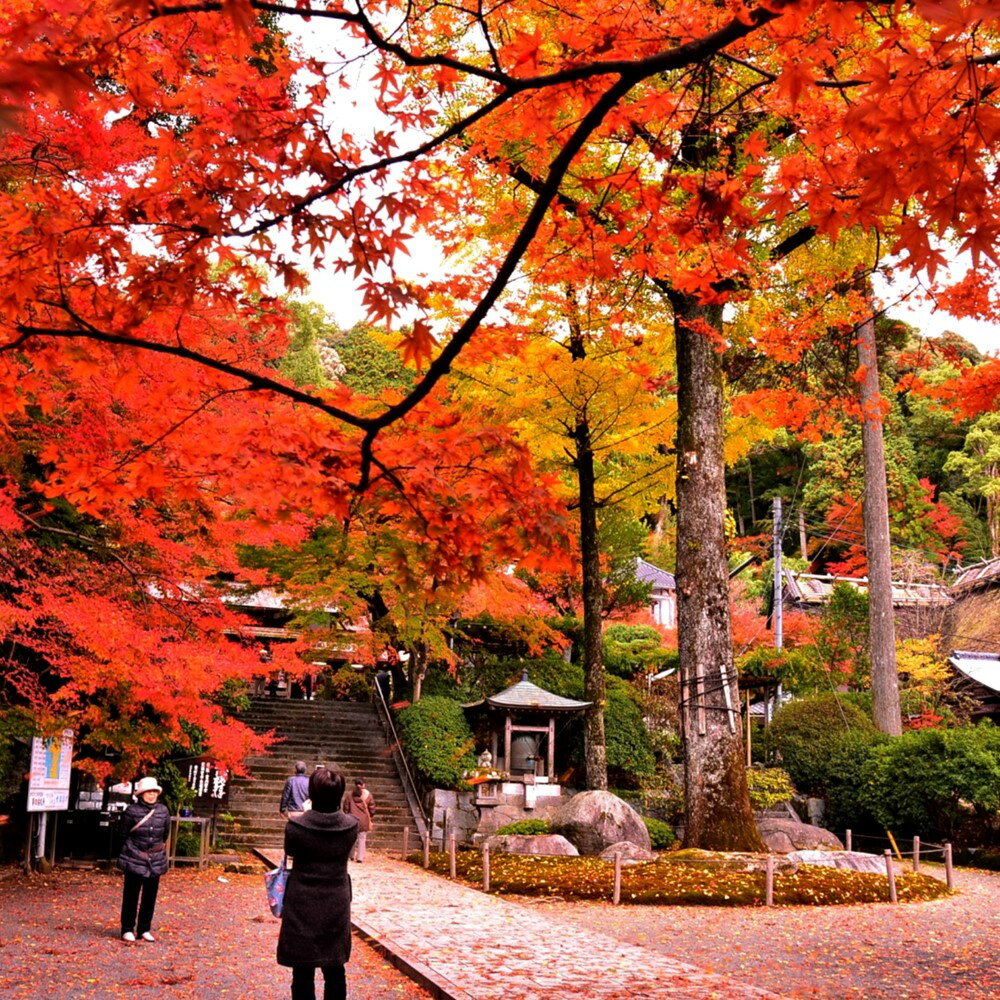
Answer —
631 648
769 787
804 731
629 750
348 684
848 795
931 781
437 739
661 835
188 842
529 827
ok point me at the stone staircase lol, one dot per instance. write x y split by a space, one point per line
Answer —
342 735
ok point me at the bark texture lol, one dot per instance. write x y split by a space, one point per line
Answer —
719 816
595 751
875 509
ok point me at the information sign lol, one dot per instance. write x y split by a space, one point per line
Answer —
48 779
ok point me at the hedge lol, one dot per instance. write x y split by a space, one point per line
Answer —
438 740
805 731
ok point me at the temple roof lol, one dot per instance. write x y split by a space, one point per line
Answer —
525 695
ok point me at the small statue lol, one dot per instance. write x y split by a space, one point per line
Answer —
485 761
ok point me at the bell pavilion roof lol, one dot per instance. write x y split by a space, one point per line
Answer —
524 695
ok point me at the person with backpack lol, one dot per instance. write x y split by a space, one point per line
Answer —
143 859
361 804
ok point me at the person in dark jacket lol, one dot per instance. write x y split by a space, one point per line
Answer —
143 858
295 792
316 916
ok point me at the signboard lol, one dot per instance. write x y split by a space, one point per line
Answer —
209 783
48 778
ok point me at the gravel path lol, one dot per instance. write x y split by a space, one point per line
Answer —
215 941
948 949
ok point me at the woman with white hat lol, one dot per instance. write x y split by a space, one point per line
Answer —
143 858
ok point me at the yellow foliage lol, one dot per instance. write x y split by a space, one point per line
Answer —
920 662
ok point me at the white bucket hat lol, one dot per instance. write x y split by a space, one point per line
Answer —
147 785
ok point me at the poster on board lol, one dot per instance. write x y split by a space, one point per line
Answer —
48 778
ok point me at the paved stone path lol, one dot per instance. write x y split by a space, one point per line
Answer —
483 947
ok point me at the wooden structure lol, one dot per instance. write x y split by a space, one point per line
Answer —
522 719
977 675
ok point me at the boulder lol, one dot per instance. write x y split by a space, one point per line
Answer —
631 853
596 820
782 836
851 860
542 843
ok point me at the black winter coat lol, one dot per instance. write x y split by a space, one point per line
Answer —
145 851
316 917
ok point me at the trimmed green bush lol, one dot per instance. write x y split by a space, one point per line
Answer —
769 787
932 781
438 740
631 648
661 835
629 751
528 827
804 732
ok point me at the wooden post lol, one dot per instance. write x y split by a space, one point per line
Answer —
551 753
486 867
847 840
406 842
617 895
891 875
949 873
749 752
769 881
451 855
916 855
427 850
506 741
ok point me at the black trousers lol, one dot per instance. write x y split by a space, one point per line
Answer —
304 982
136 887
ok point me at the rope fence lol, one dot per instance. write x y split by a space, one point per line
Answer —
920 850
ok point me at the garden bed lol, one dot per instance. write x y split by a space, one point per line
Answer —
666 882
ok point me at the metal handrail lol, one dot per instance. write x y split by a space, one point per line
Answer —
392 738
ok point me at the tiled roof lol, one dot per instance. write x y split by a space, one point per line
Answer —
811 588
525 695
646 572
980 573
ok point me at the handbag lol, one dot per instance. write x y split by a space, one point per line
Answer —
274 885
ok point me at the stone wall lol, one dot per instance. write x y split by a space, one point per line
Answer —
459 813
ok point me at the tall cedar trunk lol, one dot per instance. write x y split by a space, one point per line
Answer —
875 508
594 748
719 815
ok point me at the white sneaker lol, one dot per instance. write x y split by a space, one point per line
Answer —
147 936
129 937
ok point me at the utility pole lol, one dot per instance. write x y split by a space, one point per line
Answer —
803 543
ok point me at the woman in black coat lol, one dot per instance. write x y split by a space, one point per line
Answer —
143 858
316 914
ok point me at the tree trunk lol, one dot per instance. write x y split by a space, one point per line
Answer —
875 508
993 522
719 816
595 754
418 669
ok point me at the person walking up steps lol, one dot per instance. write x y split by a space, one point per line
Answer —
316 918
143 858
295 792
361 804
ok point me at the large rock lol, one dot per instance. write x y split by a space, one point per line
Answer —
596 820
631 853
522 843
851 860
782 836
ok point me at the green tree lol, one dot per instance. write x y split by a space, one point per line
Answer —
979 464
